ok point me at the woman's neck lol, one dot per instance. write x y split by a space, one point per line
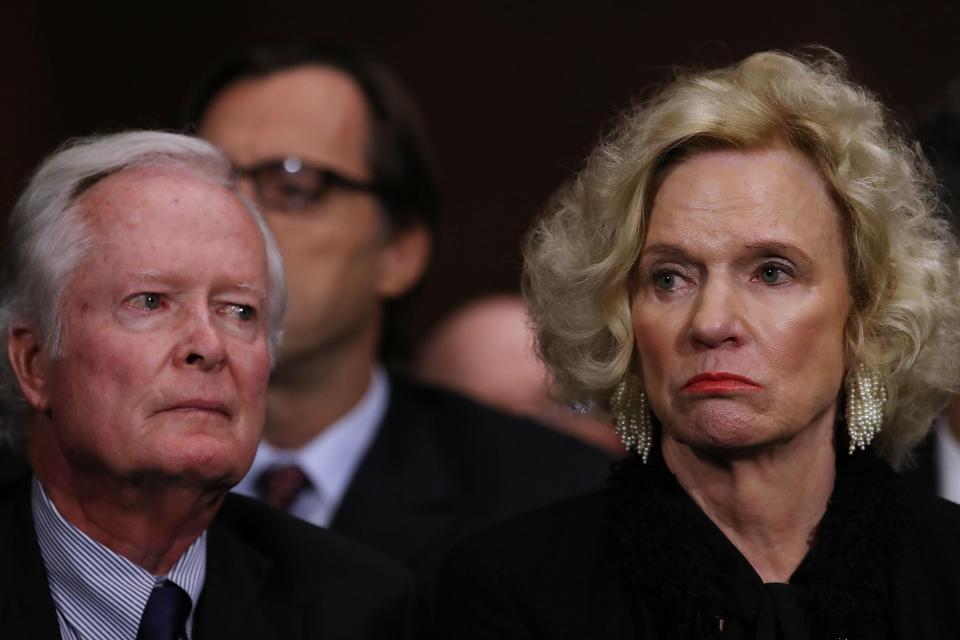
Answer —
767 503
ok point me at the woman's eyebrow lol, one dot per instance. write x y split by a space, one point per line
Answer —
663 250
776 248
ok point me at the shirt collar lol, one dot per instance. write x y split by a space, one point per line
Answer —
98 592
330 459
948 460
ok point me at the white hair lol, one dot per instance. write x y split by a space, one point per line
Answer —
49 238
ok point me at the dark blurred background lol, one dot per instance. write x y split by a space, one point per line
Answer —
514 93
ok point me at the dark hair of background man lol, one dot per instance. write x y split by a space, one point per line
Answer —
401 164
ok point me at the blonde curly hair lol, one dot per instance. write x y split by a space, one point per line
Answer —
903 260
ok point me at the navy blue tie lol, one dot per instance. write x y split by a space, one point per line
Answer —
165 616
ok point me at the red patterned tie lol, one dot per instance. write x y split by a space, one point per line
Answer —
280 485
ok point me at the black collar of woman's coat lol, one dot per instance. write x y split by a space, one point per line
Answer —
689 577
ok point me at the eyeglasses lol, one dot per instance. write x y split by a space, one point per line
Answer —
291 184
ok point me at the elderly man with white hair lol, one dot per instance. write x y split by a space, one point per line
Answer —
141 302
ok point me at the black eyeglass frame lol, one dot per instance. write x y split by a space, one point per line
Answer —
326 178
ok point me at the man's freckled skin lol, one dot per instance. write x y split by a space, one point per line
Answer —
135 359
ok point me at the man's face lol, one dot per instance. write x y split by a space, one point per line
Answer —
334 250
164 363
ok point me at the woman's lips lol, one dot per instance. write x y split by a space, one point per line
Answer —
719 382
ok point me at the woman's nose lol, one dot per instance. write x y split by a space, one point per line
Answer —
717 318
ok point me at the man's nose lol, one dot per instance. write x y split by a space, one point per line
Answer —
202 344
717 315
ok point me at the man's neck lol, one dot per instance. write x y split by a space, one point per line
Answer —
151 524
769 504
309 394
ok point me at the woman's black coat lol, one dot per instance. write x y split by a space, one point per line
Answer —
640 560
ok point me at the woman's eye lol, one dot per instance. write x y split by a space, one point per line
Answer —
665 280
773 274
146 301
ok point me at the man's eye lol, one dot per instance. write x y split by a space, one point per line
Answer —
295 191
243 312
146 301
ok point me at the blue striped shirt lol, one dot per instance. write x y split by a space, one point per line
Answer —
99 594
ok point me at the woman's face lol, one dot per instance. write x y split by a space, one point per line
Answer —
740 300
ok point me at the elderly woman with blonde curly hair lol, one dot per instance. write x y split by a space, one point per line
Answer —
752 275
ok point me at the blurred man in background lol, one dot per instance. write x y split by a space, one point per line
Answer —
485 350
330 148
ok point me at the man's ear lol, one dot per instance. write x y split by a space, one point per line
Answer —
403 260
30 362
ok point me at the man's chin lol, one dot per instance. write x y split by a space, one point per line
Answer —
185 478
203 463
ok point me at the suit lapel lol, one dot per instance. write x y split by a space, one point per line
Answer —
26 607
405 490
33 619
235 602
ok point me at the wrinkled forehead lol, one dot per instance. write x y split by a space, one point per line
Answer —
174 217
807 167
148 187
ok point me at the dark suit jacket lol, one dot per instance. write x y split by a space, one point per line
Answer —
549 575
442 466
269 576
923 471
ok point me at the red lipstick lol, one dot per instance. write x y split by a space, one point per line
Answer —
719 382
